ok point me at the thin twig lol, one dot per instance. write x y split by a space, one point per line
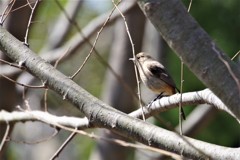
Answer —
45 100
99 57
60 58
37 141
42 116
29 4
24 93
181 113
133 52
29 22
119 78
20 7
56 154
166 103
46 90
13 65
6 11
91 45
94 44
180 103
180 135
189 6
92 136
84 38
21 84
227 66
235 55
121 142
5 136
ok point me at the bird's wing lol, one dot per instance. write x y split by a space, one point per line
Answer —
161 73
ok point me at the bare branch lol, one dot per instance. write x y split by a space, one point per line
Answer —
62 122
56 131
6 11
11 64
133 53
44 117
164 104
72 135
29 22
198 119
94 44
78 41
238 52
5 136
221 57
184 35
102 115
123 143
190 98
21 84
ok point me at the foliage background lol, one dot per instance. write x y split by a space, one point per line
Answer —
221 20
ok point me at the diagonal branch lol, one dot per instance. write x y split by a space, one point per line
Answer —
80 123
102 115
189 98
164 104
197 50
78 41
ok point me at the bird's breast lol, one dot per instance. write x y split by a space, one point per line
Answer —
158 86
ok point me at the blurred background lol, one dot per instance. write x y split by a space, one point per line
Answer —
108 74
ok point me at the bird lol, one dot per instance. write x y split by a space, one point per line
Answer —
155 76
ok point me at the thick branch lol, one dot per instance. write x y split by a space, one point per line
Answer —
102 115
184 35
189 98
161 105
44 117
78 41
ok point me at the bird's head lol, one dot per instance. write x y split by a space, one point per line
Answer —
141 57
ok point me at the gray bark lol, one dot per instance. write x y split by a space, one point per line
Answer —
197 50
102 115
114 92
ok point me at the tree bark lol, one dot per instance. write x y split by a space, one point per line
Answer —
103 116
193 45
16 24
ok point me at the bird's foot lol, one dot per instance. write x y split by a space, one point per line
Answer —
158 97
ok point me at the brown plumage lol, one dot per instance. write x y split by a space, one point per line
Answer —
155 77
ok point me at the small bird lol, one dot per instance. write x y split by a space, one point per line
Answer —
154 75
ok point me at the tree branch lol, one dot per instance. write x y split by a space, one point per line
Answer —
190 98
164 104
184 35
45 117
77 41
102 115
